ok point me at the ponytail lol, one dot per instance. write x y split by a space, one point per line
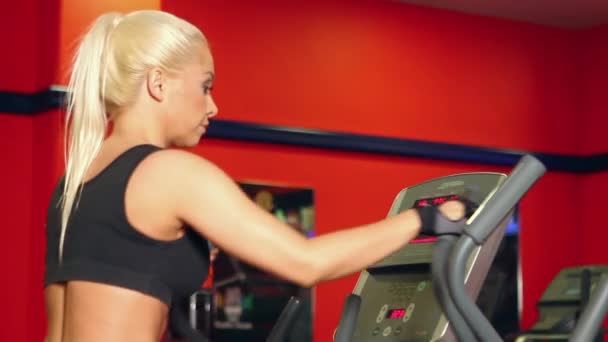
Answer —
107 72
86 117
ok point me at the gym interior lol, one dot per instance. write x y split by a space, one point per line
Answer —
330 109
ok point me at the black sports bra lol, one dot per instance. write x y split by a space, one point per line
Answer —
101 246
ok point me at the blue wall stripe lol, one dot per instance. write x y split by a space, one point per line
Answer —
397 146
31 104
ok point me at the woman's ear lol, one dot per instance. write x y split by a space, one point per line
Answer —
155 84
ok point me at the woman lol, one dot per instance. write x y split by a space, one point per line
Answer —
128 224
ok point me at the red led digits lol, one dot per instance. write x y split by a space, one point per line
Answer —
396 314
434 201
439 200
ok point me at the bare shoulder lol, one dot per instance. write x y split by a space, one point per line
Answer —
171 189
171 169
182 178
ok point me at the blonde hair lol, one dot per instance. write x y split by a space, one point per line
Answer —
108 68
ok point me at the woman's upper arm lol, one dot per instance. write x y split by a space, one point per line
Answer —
206 199
54 296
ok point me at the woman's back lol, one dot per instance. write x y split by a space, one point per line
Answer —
124 266
87 311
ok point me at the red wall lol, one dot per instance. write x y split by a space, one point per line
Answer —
385 68
16 140
31 41
19 19
594 81
594 114
16 146
594 110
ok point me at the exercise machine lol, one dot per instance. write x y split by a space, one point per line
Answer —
427 290
398 300
563 302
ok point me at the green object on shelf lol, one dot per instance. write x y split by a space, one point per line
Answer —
248 302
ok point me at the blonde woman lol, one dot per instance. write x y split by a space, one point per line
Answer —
128 224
